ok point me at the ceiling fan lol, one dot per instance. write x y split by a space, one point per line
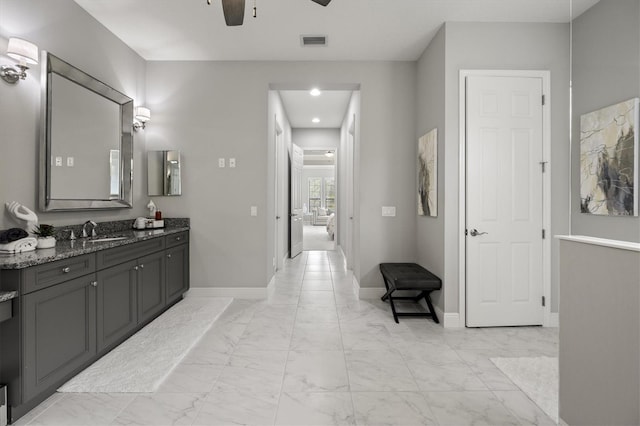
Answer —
234 10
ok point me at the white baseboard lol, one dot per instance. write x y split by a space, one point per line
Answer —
554 319
451 320
235 292
367 292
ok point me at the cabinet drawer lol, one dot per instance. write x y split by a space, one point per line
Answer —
43 276
177 239
118 255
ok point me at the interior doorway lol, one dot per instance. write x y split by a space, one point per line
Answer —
320 121
319 189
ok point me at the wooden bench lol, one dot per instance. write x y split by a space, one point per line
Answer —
411 277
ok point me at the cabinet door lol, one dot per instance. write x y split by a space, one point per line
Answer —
177 272
151 286
117 303
59 333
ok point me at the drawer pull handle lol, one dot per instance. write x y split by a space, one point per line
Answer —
94 283
141 266
135 268
169 256
178 238
66 269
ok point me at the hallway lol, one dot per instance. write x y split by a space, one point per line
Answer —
313 354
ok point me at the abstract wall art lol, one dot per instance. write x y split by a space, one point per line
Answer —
609 160
428 174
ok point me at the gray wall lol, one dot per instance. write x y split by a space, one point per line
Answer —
513 47
606 70
431 114
67 31
599 353
220 109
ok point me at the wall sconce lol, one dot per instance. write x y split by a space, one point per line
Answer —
142 115
22 51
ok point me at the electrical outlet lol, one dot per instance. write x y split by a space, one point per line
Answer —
58 161
232 162
220 162
70 161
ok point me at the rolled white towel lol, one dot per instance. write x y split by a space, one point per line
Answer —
19 246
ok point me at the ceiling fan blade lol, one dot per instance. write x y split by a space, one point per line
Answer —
233 12
322 2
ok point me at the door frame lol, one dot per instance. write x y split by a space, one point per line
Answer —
279 197
545 75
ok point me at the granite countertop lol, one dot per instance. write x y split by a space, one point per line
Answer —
65 249
7 295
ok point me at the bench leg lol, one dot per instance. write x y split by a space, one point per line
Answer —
393 307
427 298
386 295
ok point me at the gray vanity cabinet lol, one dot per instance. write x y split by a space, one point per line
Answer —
70 312
151 286
177 271
117 304
59 333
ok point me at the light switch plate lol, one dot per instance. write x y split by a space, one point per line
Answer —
70 161
232 162
254 210
388 211
220 162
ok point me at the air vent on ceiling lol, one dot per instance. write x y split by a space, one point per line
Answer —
313 40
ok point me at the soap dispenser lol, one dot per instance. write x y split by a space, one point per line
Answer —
152 209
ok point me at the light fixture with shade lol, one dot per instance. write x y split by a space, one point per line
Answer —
315 92
315 120
141 115
25 53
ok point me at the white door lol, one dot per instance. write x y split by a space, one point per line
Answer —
504 201
296 215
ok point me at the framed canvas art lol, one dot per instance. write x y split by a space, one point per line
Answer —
428 174
609 160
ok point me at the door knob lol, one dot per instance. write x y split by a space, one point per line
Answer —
94 283
475 233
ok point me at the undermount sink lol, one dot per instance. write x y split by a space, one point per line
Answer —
107 239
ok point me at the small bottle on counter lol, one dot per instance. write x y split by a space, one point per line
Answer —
158 215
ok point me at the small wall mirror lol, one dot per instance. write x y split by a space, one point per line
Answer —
163 170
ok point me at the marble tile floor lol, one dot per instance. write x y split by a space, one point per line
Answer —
313 354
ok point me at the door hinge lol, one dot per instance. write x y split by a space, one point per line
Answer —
544 234
543 165
544 301
543 100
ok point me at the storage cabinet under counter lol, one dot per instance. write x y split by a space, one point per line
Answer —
71 311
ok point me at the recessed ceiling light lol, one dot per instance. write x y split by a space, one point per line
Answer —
315 92
315 120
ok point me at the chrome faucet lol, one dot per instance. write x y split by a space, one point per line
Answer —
93 229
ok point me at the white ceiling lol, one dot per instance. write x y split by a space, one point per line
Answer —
330 107
356 29
177 30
